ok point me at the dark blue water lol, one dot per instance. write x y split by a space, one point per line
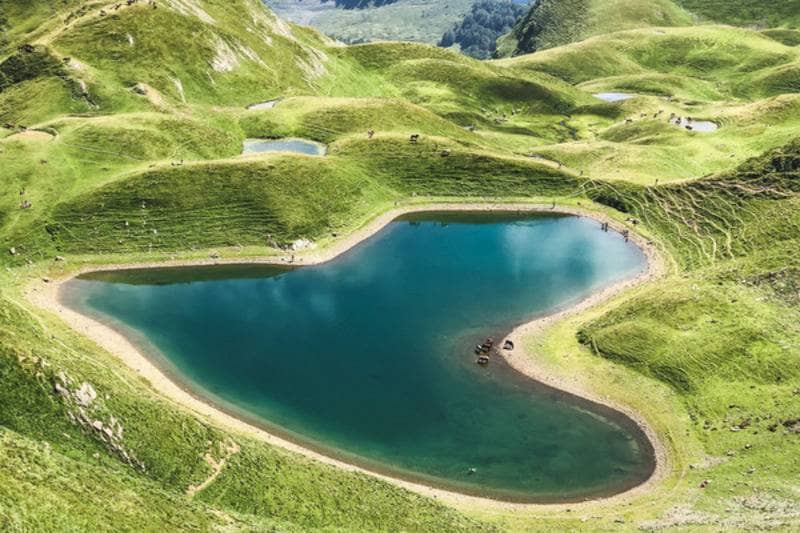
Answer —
370 357
299 146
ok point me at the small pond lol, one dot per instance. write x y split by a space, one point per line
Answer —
701 126
614 97
298 146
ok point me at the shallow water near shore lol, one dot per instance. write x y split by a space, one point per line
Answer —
369 357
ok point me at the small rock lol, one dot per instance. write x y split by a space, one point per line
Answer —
61 390
704 483
59 259
12 251
85 395
301 244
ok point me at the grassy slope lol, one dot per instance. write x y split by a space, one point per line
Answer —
741 13
733 267
553 23
737 78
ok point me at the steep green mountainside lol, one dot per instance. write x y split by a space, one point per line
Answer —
551 23
121 134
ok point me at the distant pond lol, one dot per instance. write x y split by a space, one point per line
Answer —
299 146
370 357
614 97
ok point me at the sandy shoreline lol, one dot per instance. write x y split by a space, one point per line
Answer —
46 296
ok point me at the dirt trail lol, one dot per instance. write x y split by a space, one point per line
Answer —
230 449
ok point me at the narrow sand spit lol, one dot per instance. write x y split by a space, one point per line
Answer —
46 296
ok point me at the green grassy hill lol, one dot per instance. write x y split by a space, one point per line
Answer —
123 130
552 23
778 13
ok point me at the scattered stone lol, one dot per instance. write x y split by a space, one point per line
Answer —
59 259
301 244
61 390
85 395
12 251
704 483
46 279
793 425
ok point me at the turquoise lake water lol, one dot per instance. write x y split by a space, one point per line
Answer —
369 357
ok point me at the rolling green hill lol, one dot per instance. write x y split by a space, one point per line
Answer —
778 13
551 23
118 122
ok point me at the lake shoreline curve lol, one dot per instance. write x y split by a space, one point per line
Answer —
46 295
